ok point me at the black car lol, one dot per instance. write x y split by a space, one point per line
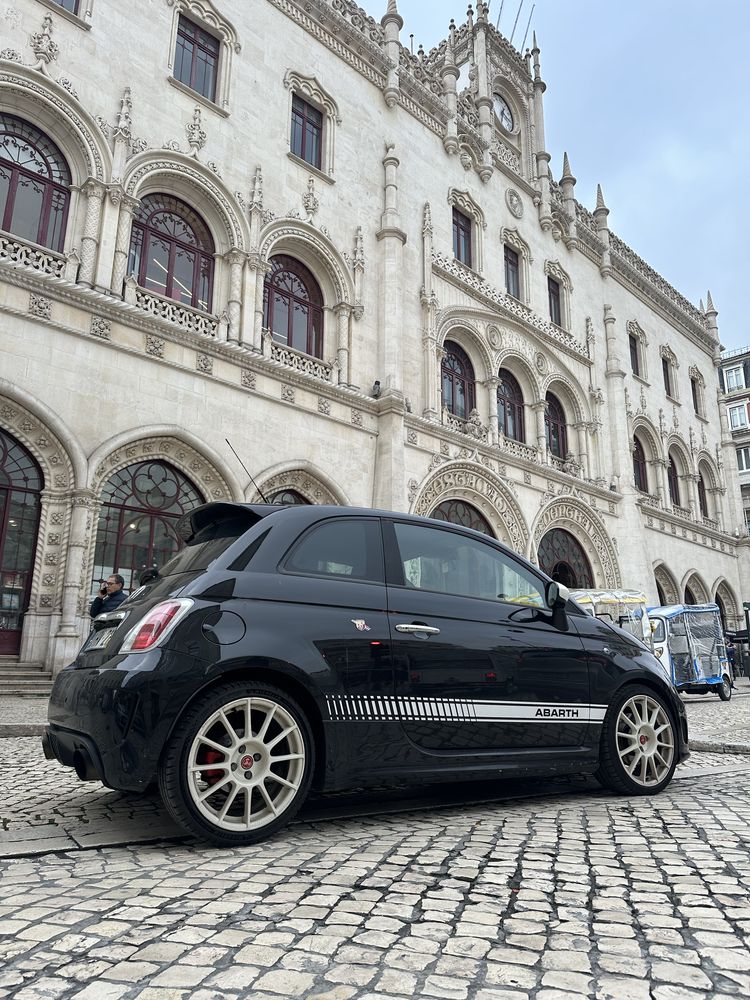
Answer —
285 648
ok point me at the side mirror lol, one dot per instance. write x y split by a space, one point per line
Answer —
557 597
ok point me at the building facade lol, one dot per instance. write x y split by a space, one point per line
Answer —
272 253
734 384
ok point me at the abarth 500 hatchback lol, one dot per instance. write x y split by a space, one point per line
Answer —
299 647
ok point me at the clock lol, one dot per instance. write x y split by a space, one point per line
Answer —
502 112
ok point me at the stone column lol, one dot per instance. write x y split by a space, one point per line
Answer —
342 312
491 385
261 270
691 483
122 243
582 430
539 409
82 503
93 191
236 261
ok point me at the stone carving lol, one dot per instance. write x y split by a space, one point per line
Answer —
357 418
67 85
304 363
540 363
204 363
100 327
196 135
40 306
248 378
287 392
494 337
412 437
324 405
588 530
296 479
184 318
154 346
43 46
11 55
514 203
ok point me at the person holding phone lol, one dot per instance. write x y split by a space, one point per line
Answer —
111 595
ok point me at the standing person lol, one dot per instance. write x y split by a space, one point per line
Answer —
111 595
731 657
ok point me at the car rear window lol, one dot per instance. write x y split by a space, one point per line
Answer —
207 545
349 548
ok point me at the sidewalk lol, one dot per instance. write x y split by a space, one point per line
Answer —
715 726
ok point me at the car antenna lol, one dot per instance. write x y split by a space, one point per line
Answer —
247 471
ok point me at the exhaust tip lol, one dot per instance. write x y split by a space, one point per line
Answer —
84 766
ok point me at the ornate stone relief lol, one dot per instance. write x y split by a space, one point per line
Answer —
514 202
248 379
204 363
40 306
587 528
100 327
202 472
296 479
154 346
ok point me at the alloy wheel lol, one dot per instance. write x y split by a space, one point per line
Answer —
645 740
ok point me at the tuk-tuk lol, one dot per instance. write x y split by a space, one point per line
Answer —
624 608
689 641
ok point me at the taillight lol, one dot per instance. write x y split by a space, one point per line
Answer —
155 626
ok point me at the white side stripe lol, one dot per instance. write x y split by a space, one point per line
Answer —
357 708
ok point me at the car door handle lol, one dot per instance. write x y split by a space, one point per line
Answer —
418 629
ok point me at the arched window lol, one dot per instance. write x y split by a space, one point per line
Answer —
562 558
663 602
639 467
458 512
172 252
458 381
554 424
674 483
20 503
689 596
34 184
288 497
293 306
702 498
141 505
510 407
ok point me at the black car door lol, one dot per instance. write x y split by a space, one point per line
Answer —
478 664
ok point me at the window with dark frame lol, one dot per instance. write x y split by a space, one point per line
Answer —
510 407
70 5
462 237
635 361
196 58
512 273
673 482
307 132
172 251
555 309
695 390
293 306
639 467
555 426
34 184
666 369
457 376
702 498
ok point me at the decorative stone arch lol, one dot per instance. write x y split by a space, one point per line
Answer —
569 394
513 239
649 436
303 477
706 463
311 90
523 371
667 582
481 488
184 177
693 580
732 609
675 445
636 330
206 15
588 529
48 105
317 252
464 202
467 335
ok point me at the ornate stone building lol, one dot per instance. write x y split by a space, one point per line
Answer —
273 230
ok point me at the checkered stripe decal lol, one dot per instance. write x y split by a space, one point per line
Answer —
372 708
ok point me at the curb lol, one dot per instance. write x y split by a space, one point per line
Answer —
706 746
21 730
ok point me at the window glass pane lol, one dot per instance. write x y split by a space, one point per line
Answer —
157 266
298 133
136 246
312 144
183 60
342 547
450 563
27 209
300 316
280 318
4 186
204 288
55 227
182 276
205 74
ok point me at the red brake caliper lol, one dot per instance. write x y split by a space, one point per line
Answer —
212 757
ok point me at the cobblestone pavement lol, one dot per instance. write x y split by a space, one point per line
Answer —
556 898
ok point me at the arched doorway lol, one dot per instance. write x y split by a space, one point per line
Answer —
663 602
562 558
21 484
459 512
690 596
141 505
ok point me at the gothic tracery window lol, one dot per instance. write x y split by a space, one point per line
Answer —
562 557
196 58
510 407
172 251
459 512
457 376
34 184
293 306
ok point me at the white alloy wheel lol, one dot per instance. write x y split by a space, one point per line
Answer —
246 764
645 740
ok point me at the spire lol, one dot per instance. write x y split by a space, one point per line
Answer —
450 52
392 14
535 56
709 303
600 206
566 174
702 307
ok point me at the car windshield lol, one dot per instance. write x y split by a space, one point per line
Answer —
207 545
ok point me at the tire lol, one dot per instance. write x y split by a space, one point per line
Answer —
260 781
638 749
724 690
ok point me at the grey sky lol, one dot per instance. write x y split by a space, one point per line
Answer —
650 99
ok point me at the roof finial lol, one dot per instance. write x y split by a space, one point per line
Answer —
600 199
710 303
566 167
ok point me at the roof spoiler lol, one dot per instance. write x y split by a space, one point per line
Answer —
207 514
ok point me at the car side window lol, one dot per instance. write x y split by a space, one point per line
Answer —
451 563
343 548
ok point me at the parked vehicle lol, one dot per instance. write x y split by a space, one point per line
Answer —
689 641
293 647
624 608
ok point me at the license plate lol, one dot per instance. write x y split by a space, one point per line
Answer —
99 639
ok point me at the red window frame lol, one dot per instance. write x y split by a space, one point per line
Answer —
192 46
510 417
556 427
462 237
306 139
287 270
55 185
639 467
457 378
